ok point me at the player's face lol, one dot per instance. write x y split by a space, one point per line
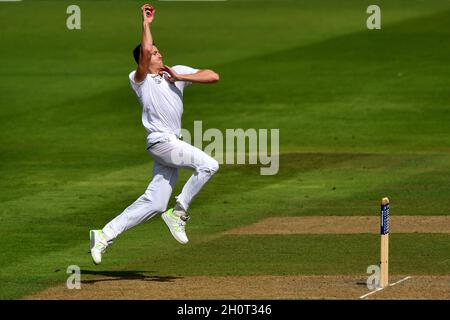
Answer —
157 57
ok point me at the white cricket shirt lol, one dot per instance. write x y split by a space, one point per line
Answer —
162 102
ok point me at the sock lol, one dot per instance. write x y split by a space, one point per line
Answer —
179 211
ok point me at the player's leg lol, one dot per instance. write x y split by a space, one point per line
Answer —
152 202
180 154
204 167
177 153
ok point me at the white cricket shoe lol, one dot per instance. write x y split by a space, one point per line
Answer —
176 225
98 245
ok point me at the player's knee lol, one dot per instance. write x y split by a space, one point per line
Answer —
214 166
159 206
210 166
155 204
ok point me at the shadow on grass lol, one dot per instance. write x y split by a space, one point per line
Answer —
126 275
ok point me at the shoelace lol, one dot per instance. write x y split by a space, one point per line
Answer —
182 222
100 246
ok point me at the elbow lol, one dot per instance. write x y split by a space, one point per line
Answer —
146 50
214 77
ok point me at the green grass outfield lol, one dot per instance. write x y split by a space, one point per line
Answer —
362 114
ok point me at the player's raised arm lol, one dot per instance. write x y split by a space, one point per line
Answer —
201 76
148 13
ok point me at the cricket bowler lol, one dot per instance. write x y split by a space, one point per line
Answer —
159 90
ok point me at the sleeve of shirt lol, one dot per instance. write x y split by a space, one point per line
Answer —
184 70
136 86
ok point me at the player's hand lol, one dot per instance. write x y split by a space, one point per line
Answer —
170 74
148 13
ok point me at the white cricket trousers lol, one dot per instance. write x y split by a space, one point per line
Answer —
169 155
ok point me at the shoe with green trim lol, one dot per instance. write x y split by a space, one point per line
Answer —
98 245
177 225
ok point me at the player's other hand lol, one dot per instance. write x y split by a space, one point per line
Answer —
148 13
169 74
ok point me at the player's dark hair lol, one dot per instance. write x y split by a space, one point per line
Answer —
137 52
